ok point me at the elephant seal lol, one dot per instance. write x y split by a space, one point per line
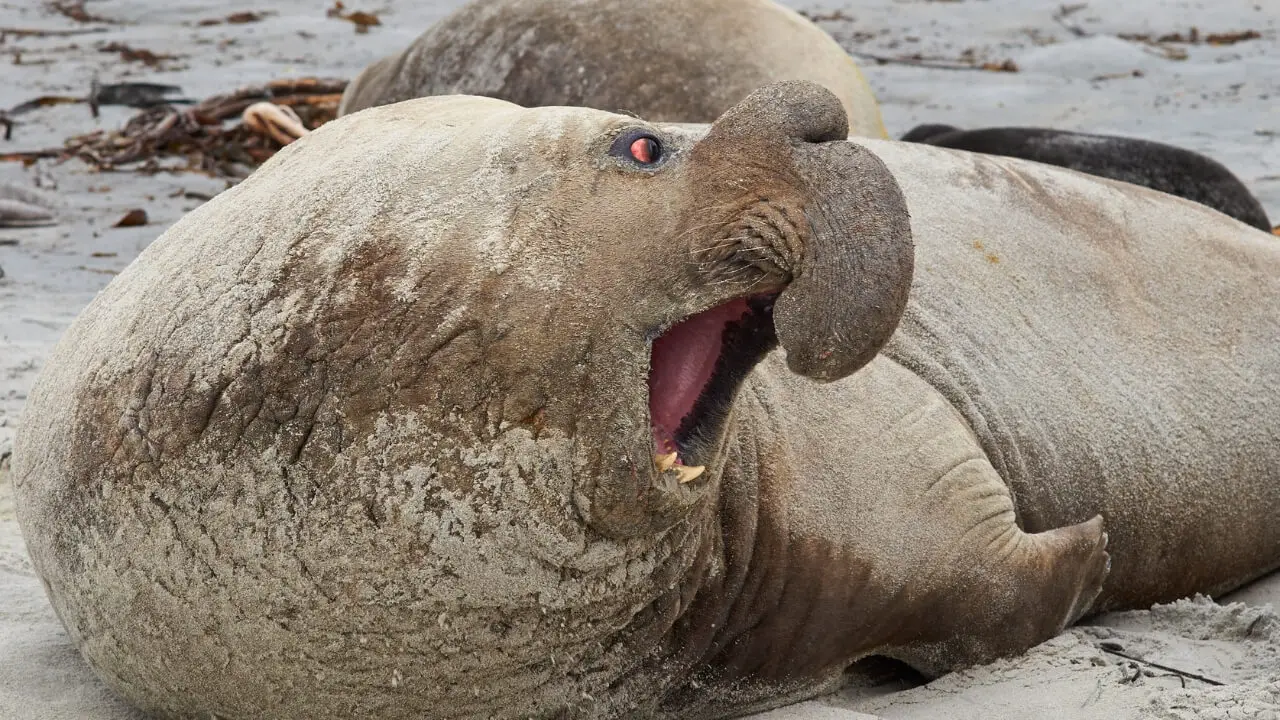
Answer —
663 60
1151 164
458 409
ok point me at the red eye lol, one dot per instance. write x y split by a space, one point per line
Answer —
638 146
645 150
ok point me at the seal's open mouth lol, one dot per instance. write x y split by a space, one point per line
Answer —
695 370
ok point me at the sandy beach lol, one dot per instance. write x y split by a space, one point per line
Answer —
1099 67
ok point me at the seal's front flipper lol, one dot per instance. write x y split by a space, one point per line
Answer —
1022 597
991 589
1090 541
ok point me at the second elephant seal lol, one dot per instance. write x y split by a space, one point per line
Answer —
664 60
1169 169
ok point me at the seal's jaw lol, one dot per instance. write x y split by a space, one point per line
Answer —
695 370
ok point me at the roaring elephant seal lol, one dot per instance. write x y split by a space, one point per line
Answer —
457 409
1162 167
663 60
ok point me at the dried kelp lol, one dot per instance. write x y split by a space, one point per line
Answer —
207 137
362 20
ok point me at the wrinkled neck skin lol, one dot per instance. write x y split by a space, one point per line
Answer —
718 615
756 624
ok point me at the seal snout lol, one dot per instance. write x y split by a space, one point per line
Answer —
816 255
790 112
847 268
852 280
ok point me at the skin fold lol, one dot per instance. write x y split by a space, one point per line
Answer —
663 60
369 433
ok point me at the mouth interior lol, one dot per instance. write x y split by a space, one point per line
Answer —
696 368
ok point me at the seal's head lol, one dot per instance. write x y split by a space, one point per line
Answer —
619 277
395 418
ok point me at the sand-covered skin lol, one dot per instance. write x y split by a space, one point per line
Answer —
1221 100
43 676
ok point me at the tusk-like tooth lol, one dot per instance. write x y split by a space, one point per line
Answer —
686 474
664 462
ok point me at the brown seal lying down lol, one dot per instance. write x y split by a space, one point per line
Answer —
456 409
663 60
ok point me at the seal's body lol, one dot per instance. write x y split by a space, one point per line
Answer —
1151 164
457 409
663 60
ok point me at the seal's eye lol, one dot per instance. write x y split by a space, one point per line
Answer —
639 147
646 150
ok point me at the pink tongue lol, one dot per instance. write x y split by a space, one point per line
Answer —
684 359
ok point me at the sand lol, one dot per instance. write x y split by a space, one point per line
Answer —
1075 73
